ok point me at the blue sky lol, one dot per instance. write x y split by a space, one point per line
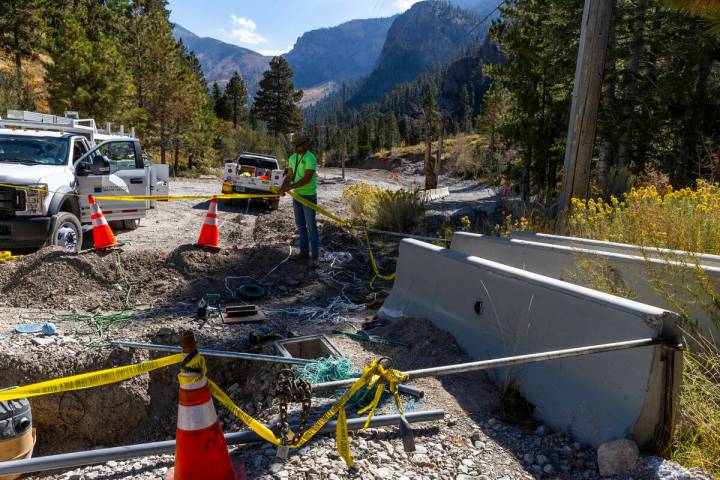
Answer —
272 26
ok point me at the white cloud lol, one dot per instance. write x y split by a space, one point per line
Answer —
402 5
243 22
246 33
274 53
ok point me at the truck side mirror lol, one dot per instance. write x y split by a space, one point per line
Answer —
83 169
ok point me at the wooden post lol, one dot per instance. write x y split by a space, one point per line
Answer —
594 37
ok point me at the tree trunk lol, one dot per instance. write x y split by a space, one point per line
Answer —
162 140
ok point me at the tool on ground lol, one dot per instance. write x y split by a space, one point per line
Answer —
290 388
208 305
407 434
257 338
364 336
209 233
373 322
200 451
215 353
103 237
232 314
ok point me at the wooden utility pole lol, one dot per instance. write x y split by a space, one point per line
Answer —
594 37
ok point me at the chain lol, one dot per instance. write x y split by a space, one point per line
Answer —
290 388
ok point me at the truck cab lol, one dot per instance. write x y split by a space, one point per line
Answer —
48 167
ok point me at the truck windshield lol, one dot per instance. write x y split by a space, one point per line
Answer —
33 150
257 162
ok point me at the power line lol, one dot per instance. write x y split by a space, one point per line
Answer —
487 17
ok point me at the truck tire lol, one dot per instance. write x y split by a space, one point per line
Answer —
274 204
66 232
131 224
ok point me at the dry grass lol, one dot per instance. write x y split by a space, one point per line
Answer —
697 440
397 211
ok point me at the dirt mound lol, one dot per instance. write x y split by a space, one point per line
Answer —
53 279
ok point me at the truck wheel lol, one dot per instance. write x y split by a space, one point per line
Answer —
67 233
274 204
132 224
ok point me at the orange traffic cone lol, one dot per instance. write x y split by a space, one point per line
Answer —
102 234
200 449
210 233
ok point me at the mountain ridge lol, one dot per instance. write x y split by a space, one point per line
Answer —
429 34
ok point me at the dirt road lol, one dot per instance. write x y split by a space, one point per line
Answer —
178 223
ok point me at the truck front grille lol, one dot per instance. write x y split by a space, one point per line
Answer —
12 200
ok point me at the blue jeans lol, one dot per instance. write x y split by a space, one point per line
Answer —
305 220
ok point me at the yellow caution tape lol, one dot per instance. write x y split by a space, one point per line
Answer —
375 374
145 198
341 438
89 380
344 223
252 424
319 209
5 256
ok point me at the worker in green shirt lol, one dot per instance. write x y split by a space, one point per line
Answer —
301 177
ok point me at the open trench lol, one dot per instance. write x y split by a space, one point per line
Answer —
142 409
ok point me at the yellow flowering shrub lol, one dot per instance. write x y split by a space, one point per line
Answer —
686 219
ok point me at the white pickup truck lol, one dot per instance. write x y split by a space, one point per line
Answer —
60 161
254 173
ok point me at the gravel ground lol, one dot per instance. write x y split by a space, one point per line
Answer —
161 278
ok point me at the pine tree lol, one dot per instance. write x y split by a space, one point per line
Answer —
220 104
276 101
466 110
21 27
87 75
236 97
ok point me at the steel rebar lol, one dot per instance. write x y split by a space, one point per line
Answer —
214 353
91 457
507 361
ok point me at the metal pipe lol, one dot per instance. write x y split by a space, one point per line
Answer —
214 353
91 457
507 361
245 356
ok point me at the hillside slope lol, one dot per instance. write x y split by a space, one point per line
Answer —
220 60
431 33
338 54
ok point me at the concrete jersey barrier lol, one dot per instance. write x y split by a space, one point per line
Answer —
494 310
704 259
636 277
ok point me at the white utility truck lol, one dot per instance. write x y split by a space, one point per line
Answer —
60 161
254 173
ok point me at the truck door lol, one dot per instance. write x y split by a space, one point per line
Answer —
159 180
113 168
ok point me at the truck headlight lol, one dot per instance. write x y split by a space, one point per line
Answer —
35 197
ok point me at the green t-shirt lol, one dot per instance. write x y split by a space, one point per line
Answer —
307 161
